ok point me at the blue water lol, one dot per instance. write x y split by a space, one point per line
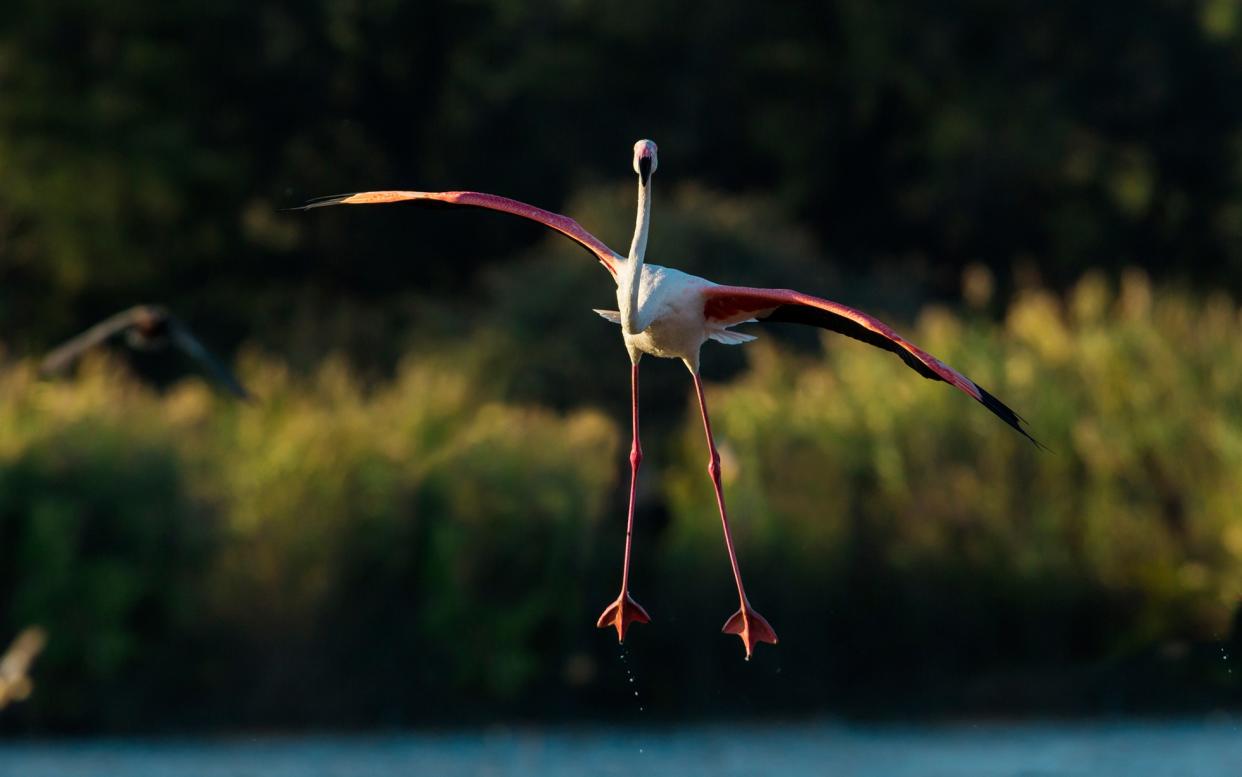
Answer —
1186 748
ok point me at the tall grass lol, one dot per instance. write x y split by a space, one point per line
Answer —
423 530
423 547
911 524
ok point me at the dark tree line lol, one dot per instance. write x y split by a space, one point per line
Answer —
147 147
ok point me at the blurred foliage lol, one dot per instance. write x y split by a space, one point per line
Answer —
100 543
897 515
144 162
424 549
384 538
254 557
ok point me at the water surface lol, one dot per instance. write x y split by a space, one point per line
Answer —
1184 748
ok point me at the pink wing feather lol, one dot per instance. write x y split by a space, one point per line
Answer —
563 224
728 305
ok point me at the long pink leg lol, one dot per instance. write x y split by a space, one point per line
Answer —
624 611
746 622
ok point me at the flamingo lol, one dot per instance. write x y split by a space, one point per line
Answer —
15 683
671 314
146 327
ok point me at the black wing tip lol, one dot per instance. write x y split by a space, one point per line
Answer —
226 380
1006 414
220 373
320 202
230 383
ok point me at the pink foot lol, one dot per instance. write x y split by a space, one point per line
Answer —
621 613
751 627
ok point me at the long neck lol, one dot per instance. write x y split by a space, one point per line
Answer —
634 267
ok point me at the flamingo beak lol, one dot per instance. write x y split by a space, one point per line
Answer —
644 168
645 160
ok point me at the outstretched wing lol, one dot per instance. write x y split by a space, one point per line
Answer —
181 336
563 224
70 351
729 305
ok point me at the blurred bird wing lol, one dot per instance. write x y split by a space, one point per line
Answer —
71 350
563 224
728 305
187 342
15 663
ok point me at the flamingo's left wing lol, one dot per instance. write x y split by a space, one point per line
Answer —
563 224
727 305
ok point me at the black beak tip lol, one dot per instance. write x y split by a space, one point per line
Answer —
644 168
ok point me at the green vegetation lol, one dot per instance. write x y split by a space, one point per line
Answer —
420 517
908 138
895 512
405 550
423 535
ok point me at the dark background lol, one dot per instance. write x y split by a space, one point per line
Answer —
872 152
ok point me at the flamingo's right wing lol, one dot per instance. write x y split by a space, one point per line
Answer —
563 224
68 352
729 305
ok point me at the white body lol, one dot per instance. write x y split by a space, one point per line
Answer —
669 320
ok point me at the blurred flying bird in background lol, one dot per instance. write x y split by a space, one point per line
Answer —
15 683
146 328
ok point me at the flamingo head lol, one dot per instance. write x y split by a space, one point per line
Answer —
645 159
